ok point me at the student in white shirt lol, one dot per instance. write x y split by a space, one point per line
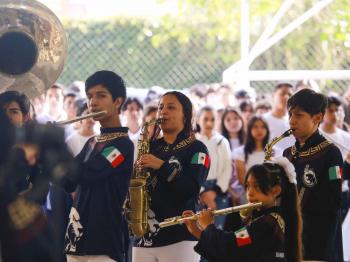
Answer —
232 127
214 194
233 130
132 113
252 153
277 118
77 140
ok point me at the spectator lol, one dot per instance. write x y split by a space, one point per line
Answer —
77 140
277 118
132 111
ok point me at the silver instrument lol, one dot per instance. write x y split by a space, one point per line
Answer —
76 119
33 47
180 220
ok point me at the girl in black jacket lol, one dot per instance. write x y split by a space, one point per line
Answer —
271 233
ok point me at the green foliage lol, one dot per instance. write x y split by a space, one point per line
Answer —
202 40
138 51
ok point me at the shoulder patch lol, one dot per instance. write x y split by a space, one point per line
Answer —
113 155
201 159
334 173
242 237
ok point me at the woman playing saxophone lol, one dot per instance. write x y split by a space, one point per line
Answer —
178 164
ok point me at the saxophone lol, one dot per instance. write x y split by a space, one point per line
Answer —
268 148
138 200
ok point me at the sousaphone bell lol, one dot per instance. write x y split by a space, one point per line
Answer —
33 47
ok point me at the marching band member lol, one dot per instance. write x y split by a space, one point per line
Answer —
97 228
318 164
31 156
272 233
179 164
16 106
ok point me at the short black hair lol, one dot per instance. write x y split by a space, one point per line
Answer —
57 86
81 106
130 100
15 96
242 94
149 109
283 84
110 80
205 108
333 100
244 105
310 101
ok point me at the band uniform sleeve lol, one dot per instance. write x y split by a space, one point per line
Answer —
186 177
334 177
102 165
70 183
249 243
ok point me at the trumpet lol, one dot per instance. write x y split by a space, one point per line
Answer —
180 220
66 122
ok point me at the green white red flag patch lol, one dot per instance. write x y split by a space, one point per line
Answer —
201 159
242 237
334 173
113 155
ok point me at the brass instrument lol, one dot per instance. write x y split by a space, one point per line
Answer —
33 47
138 200
180 220
245 209
269 147
96 114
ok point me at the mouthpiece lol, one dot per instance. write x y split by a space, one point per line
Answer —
287 133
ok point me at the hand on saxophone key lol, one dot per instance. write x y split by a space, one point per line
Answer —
149 161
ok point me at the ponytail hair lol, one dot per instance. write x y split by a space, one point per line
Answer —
269 175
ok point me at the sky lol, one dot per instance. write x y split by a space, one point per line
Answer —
100 9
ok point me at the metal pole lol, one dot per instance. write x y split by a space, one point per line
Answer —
245 43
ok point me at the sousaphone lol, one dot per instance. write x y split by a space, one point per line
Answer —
33 47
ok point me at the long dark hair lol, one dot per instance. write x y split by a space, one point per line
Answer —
250 144
267 176
186 110
225 133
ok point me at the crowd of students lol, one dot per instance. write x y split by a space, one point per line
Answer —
207 154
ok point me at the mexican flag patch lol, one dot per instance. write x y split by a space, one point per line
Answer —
334 173
113 155
242 237
201 159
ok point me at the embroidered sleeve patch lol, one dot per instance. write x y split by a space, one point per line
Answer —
334 173
113 155
201 159
242 237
